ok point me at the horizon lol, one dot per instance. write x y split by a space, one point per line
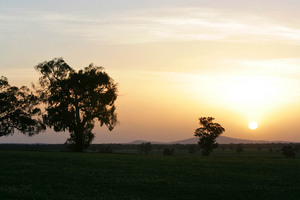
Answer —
174 62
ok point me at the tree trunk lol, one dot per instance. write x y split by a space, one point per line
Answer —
79 140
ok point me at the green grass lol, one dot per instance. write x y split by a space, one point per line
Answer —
247 153
63 175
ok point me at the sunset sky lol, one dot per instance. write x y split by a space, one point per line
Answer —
174 61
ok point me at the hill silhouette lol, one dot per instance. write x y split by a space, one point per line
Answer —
220 140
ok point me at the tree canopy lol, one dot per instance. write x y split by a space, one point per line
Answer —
74 100
18 110
207 133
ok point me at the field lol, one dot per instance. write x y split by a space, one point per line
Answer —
65 175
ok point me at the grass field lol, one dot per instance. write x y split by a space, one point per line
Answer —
64 175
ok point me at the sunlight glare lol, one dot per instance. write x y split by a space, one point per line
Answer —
252 125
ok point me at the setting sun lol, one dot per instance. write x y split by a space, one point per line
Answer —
185 94
252 125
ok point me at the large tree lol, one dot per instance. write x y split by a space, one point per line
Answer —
207 133
74 100
18 110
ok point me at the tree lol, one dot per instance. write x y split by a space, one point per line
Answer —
288 151
168 151
74 100
207 133
192 149
145 147
239 148
18 110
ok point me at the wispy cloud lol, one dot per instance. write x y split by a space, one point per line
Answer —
282 67
186 24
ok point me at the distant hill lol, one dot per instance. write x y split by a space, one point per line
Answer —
220 140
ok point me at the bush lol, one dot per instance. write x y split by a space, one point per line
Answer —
259 148
297 147
192 149
168 151
145 147
105 149
289 151
239 148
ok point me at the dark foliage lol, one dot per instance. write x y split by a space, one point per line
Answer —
239 148
74 100
192 149
18 110
168 151
207 134
259 148
145 147
105 149
297 147
289 151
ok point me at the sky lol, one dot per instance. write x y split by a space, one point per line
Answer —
174 61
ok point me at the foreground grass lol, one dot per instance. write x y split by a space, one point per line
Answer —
62 175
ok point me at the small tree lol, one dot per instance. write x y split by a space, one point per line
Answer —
168 151
289 151
18 110
270 149
231 146
145 147
192 149
259 148
105 149
239 148
207 134
74 100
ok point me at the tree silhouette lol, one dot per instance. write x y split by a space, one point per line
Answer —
74 100
18 110
192 149
207 134
288 151
145 147
239 148
168 151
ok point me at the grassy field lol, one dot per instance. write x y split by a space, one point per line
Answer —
64 175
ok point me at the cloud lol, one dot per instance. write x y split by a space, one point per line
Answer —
172 25
282 67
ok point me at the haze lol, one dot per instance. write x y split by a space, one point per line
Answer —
174 61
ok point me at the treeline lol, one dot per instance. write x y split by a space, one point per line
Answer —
259 146
109 148
34 147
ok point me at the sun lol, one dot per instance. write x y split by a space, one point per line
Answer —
252 125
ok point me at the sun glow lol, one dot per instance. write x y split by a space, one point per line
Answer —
252 91
252 125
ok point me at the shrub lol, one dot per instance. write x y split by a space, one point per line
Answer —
192 149
145 147
105 149
168 151
239 148
289 151
258 148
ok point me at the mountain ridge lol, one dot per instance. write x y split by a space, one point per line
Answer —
220 140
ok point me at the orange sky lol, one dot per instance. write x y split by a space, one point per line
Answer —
174 62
